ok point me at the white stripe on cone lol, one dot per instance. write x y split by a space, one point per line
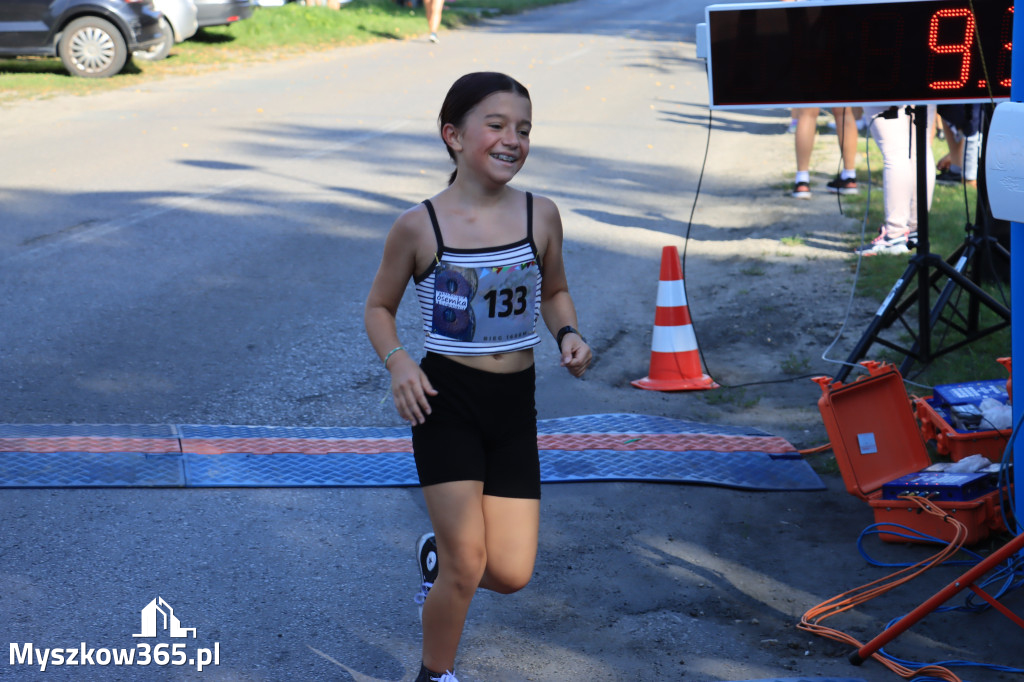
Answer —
673 339
671 294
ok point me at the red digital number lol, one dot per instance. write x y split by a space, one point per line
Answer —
962 48
1006 46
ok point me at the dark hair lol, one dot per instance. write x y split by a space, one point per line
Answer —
469 91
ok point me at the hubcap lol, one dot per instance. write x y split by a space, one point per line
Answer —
92 50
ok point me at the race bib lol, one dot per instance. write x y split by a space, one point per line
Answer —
485 304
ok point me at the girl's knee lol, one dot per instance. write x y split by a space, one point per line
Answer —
465 567
511 586
508 582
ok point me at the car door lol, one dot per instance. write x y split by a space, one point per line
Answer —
24 23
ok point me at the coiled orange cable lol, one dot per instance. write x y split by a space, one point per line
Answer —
812 619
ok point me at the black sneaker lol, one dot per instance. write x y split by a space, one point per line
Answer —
426 559
843 185
802 190
948 177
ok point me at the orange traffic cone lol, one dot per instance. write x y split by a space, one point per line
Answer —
675 360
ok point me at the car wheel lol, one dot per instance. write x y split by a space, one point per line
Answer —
160 50
92 48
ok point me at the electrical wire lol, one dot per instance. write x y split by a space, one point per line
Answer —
909 534
857 268
1010 575
955 663
696 195
686 242
812 620
860 257
1011 520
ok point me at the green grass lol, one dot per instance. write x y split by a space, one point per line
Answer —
952 209
795 364
271 33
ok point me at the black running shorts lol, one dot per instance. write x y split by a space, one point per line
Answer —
482 427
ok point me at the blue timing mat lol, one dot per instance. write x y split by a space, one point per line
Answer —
613 447
807 679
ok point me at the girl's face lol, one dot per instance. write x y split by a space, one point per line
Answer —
494 140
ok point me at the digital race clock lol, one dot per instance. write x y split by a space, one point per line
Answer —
814 53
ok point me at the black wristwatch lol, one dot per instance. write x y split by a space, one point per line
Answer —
567 330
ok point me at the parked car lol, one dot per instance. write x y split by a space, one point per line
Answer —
180 22
223 12
93 38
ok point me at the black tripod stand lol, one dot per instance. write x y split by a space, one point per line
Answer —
927 269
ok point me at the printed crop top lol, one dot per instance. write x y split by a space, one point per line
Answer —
481 301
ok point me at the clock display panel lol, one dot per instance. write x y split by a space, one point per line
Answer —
810 53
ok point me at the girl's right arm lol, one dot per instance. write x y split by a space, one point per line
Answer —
409 385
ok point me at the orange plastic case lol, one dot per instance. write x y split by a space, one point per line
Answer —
876 439
958 444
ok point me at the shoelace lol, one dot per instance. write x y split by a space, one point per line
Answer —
446 676
420 598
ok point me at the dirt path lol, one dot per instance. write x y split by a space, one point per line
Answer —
780 282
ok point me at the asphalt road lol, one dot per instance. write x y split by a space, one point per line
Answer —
198 250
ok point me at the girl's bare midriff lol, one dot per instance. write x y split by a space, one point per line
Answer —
504 363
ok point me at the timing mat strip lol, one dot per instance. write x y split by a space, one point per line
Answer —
613 447
808 679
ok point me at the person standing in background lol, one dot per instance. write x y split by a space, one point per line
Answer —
806 129
893 129
433 9
961 124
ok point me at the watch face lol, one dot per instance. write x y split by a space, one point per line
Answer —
809 53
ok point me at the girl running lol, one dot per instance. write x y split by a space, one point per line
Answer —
486 260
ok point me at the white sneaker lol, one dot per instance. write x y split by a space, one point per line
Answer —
428 676
884 244
446 677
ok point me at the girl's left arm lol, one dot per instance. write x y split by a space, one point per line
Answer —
556 305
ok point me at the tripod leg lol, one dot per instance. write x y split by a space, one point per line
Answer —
879 322
962 257
933 279
976 297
